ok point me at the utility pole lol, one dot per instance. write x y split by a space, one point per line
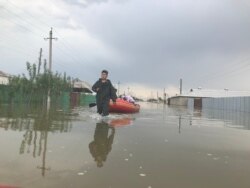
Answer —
180 86
164 96
50 38
39 61
118 88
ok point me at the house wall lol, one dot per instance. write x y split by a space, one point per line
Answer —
179 101
4 80
190 102
241 104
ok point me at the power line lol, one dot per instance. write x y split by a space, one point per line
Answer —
231 69
68 46
21 42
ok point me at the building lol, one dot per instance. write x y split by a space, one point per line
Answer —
82 87
196 97
4 78
82 93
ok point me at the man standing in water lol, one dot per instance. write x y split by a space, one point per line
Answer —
104 92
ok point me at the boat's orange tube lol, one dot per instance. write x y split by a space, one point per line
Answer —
122 106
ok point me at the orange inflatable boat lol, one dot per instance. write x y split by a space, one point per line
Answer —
122 106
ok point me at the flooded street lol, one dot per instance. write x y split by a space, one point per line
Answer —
159 147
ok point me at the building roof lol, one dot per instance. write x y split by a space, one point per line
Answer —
215 93
3 74
82 86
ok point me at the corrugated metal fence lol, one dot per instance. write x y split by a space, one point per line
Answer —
241 104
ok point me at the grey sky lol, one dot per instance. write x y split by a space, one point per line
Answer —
149 43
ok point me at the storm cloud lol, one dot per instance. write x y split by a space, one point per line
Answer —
152 43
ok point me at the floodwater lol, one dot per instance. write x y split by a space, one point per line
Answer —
157 148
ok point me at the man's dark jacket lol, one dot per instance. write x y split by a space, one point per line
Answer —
106 90
103 95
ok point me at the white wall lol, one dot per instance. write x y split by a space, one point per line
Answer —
179 101
4 80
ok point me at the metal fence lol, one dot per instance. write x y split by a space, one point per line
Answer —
240 104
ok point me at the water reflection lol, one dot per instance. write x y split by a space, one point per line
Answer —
43 166
121 122
179 124
233 119
102 143
28 155
208 117
36 123
35 118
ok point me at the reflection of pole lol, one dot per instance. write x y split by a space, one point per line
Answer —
43 167
179 124
40 144
164 113
34 151
47 124
44 152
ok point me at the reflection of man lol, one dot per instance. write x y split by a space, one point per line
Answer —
102 143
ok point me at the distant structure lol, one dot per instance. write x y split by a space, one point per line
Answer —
215 93
4 78
194 96
82 86
82 93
